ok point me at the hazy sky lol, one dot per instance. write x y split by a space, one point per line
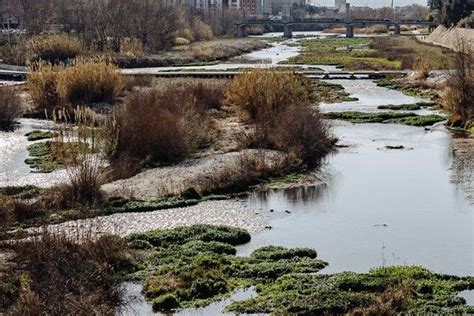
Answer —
370 3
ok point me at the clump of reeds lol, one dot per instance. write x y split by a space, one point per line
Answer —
53 49
85 82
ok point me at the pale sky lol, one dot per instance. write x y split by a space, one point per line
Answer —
370 3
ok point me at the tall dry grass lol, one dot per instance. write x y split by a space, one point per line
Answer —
10 108
82 145
42 84
53 49
89 82
260 93
58 276
84 83
278 104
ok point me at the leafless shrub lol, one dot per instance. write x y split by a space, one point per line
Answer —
10 108
278 104
461 87
161 126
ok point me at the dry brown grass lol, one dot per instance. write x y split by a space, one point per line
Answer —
391 302
279 106
89 82
86 82
53 49
162 126
10 108
60 277
42 83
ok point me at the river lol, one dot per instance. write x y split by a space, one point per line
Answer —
376 207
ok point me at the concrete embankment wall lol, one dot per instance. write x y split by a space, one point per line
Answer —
451 37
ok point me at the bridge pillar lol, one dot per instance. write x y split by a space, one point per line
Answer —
397 29
241 30
288 31
349 31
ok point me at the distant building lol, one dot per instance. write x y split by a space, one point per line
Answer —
340 5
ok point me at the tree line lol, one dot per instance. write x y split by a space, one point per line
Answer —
451 12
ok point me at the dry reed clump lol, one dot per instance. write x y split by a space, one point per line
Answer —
161 126
61 277
130 82
423 67
86 82
278 104
261 93
202 31
53 49
42 83
10 108
89 82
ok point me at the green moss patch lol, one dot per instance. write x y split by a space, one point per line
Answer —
408 89
405 118
45 157
39 135
351 53
407 107
192 266
408 290
324 92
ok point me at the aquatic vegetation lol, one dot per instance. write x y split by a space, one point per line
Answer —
406 107
420 120
48 156
406 118
407 89
399 289
192 266
40 135
325 92
351 53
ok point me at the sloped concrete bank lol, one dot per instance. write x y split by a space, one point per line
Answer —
451 38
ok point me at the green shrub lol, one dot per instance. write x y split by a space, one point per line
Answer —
277 253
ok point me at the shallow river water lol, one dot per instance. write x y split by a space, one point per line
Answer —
378 207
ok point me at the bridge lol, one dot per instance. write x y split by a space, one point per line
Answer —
349 23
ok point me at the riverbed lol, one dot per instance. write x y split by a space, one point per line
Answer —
378 206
